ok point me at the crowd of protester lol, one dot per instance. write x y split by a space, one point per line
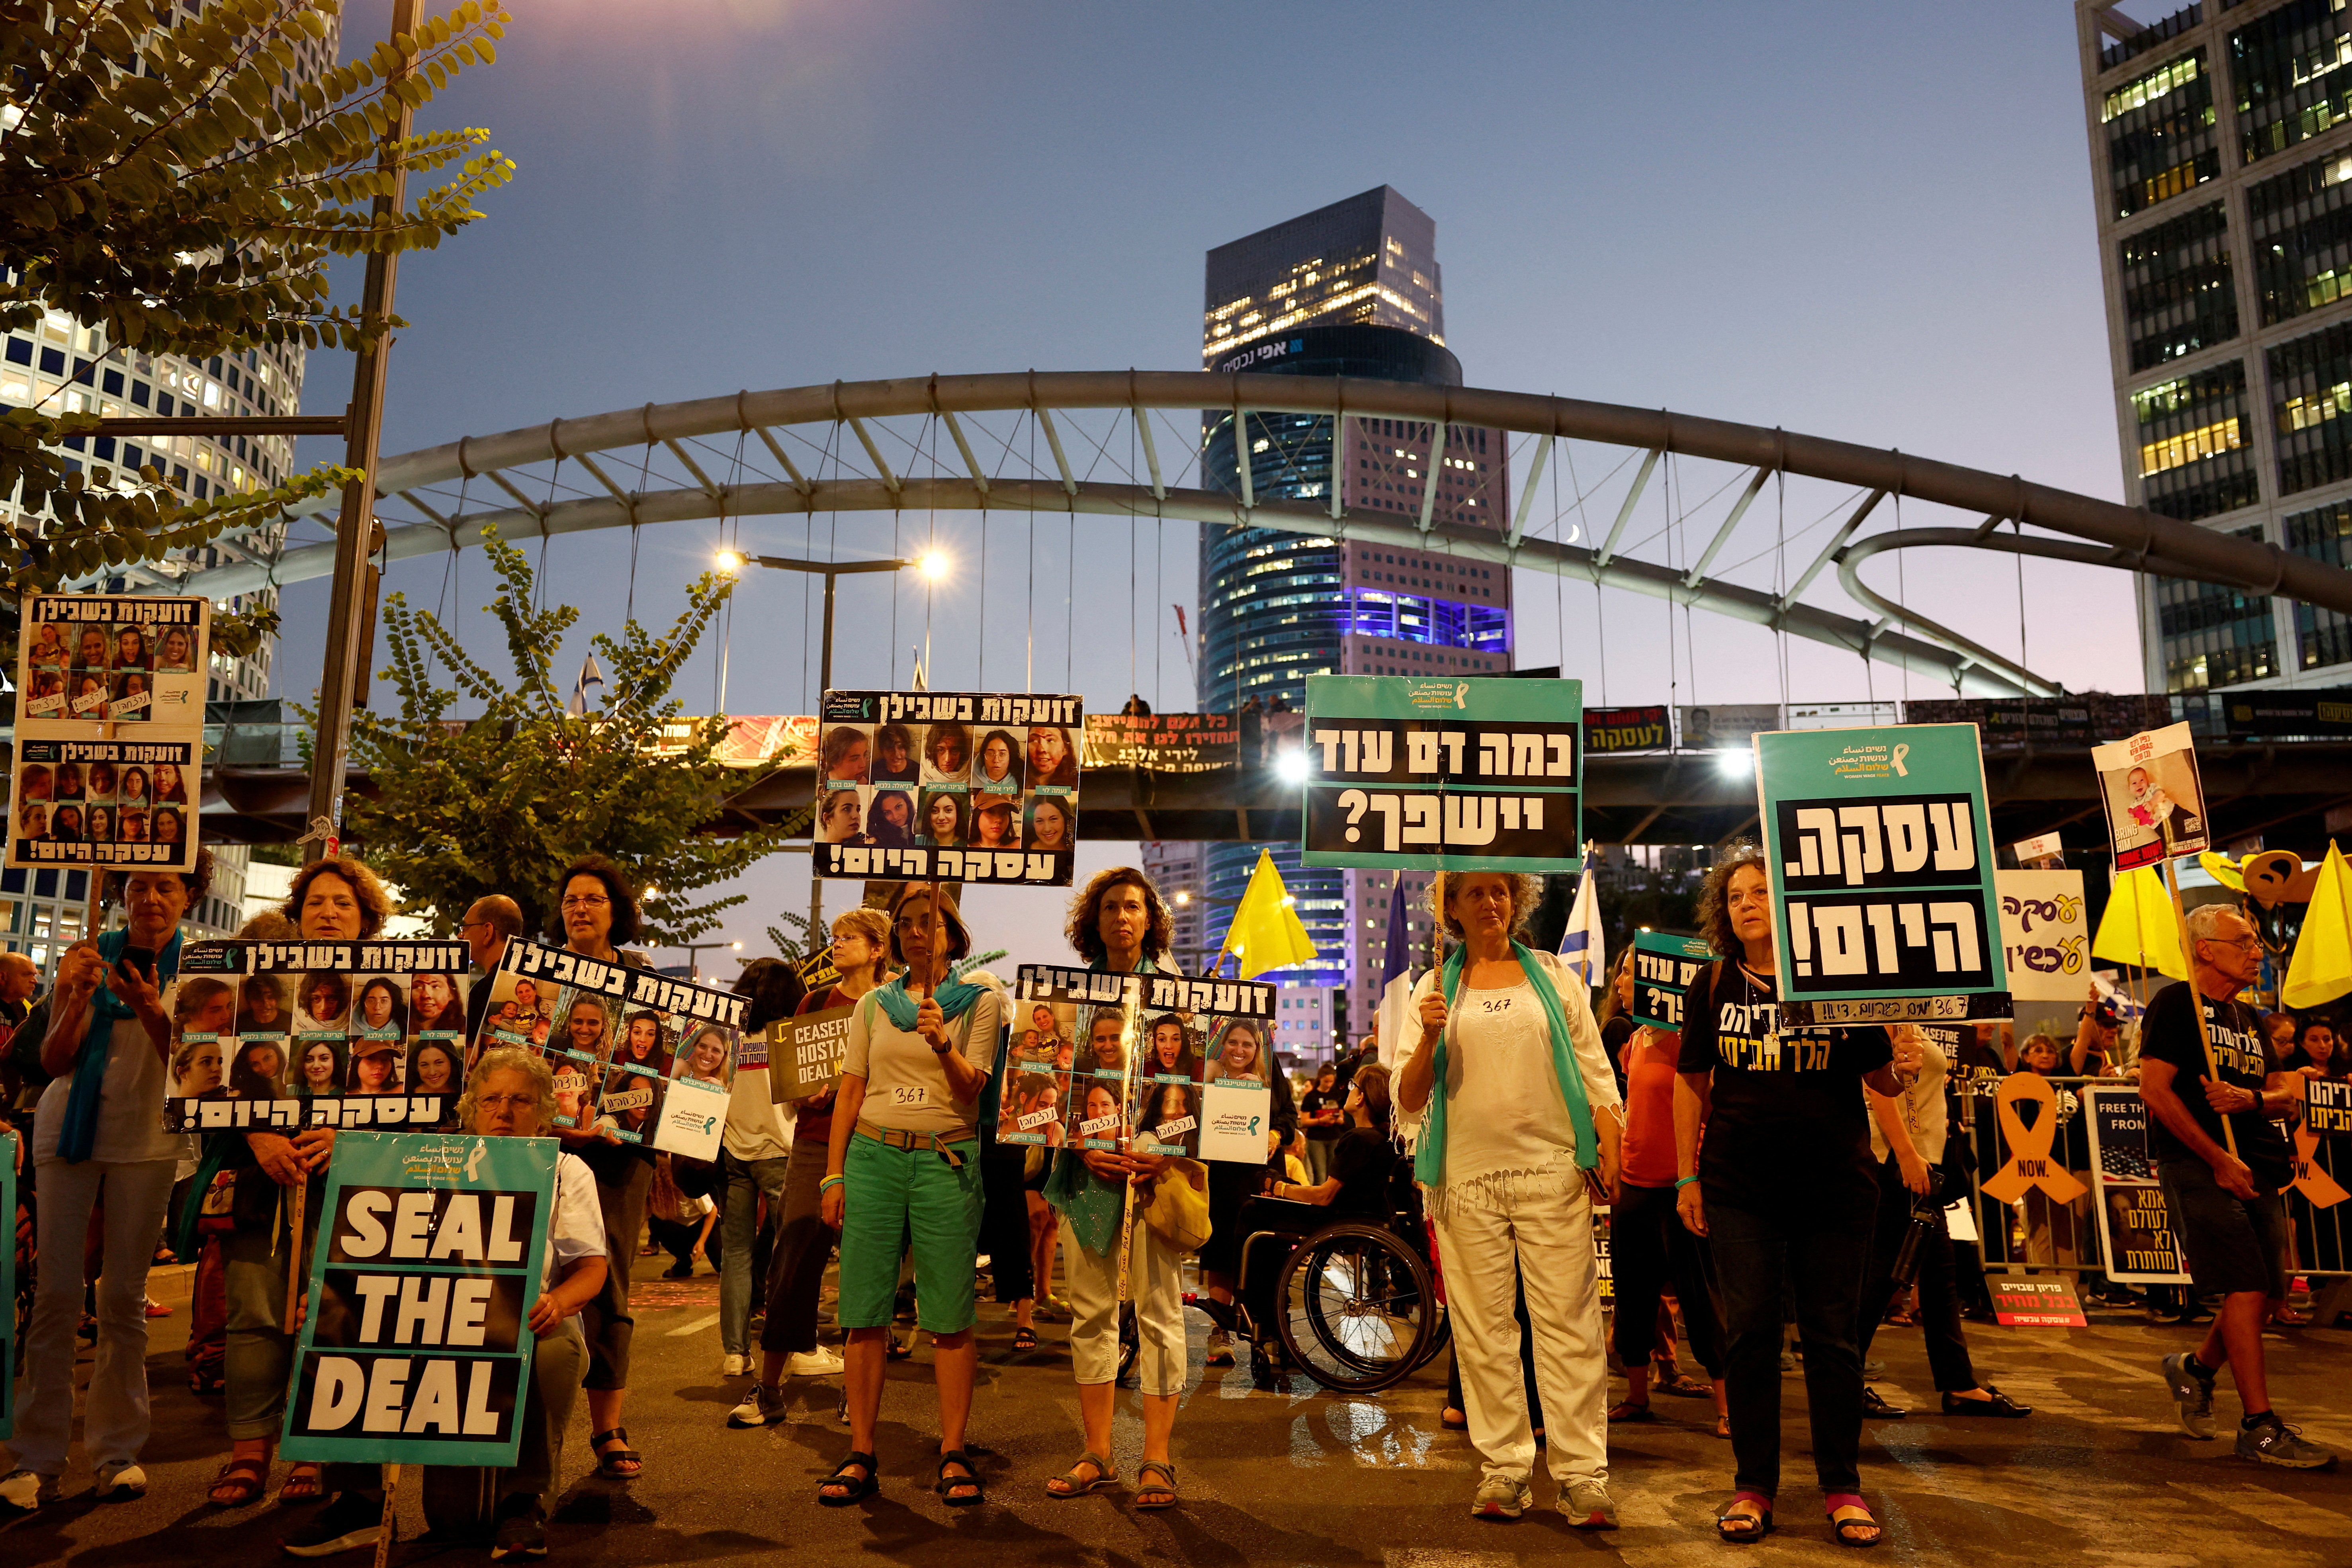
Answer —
1755 1176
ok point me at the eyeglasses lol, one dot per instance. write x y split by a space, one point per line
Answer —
592 902
2248 940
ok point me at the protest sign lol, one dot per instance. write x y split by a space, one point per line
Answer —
805 1053
1626 729
1663 968
8 1154
1163 742
2153 796
1447 775
1731 727
2322 714
1605 1232
280 1036
2135 1229
764 741
1879 848
416 1346
2045 934
109 730
2046 853
2019 1302
2327 1107
919 786
649 1058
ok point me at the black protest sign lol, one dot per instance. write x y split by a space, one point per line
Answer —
1663 968
805 1053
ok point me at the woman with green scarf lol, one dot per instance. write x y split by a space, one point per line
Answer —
97 1139
1520 1120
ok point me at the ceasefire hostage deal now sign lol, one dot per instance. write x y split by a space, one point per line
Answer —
1443 775
1879 848
417 1342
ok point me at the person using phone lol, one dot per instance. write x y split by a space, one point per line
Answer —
97 1139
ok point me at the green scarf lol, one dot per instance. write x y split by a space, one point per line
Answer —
1429 1158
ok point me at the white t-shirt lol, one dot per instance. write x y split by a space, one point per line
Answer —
576 1230
1503 1109
1922 1105
130 1108
906 1085
754 1129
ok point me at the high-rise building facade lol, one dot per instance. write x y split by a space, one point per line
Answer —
2221 167
1350 290
65 366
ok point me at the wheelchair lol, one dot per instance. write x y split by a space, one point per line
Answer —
1353 1303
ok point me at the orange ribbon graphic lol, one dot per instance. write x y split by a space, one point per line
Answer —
2030 1163
2319 1189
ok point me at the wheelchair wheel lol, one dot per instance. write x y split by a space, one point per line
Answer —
1356 1309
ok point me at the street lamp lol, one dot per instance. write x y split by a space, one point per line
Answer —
694 964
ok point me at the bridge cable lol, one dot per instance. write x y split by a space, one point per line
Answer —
1780 574
539 586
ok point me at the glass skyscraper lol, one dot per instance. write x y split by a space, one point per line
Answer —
1350 290
2222 156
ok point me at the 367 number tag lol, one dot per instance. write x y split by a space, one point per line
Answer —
910 1094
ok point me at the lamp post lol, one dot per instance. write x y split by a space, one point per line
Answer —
694 964
732 561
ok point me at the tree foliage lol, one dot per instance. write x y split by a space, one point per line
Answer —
171 178
498 804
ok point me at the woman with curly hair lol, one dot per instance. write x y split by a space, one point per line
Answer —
894 754
946 754
1520 1120
1785 1194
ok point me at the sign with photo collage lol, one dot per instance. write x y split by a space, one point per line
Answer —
109 730
287 1035
645 1057
416 1345
1409 775
918 787
1878 844
1146 1061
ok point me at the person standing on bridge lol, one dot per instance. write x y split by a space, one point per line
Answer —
1522 1120
1785 1196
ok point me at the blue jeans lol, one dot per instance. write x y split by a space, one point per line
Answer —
1821 1256
738 1217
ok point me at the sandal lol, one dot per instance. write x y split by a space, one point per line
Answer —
1454 1420
1839 1527
304 1483
1626 1410
1682 1385
897 1348
1073 1486
948 1486
1723 1426
1748 1527
620 1463
855 1489
243 1480
1144 1492
1024 1340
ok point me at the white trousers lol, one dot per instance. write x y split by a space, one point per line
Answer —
114 1420
1156 1280
1550 1237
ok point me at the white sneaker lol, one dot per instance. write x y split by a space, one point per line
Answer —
22 1491
821 1362
734 1366
121 1483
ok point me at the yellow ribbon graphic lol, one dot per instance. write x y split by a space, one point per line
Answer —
2030 1163
2319 1189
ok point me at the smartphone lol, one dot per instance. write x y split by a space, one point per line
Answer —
141 959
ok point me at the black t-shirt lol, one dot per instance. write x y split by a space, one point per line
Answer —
1787 1120
1317 1101
2169 1034
1362 1158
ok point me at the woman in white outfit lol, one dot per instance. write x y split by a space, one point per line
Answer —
1520 1117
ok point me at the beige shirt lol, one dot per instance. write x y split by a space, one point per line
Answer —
1922 1105
906 1083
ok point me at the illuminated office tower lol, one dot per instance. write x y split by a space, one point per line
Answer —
63 366
1350 290
2220 141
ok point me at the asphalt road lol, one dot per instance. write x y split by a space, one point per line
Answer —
2099 1475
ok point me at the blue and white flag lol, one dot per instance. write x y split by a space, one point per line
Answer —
589 676
1580 944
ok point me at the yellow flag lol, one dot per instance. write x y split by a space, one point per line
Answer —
2321 969
1267 932
2140 928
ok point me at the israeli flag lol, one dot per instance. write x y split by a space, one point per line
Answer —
1580 944
589 676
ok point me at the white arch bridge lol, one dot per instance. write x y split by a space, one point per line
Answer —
1128 445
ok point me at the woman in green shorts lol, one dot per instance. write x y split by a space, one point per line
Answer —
904 1170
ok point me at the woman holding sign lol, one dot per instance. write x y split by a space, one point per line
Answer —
97 1139
1119 925
1521 1122
904 1167
1786 1196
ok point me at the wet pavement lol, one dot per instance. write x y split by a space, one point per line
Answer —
2099 1475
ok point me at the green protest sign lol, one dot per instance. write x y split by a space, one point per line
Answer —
1880 852
1443 775
1663 968
416 1347
8 1285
